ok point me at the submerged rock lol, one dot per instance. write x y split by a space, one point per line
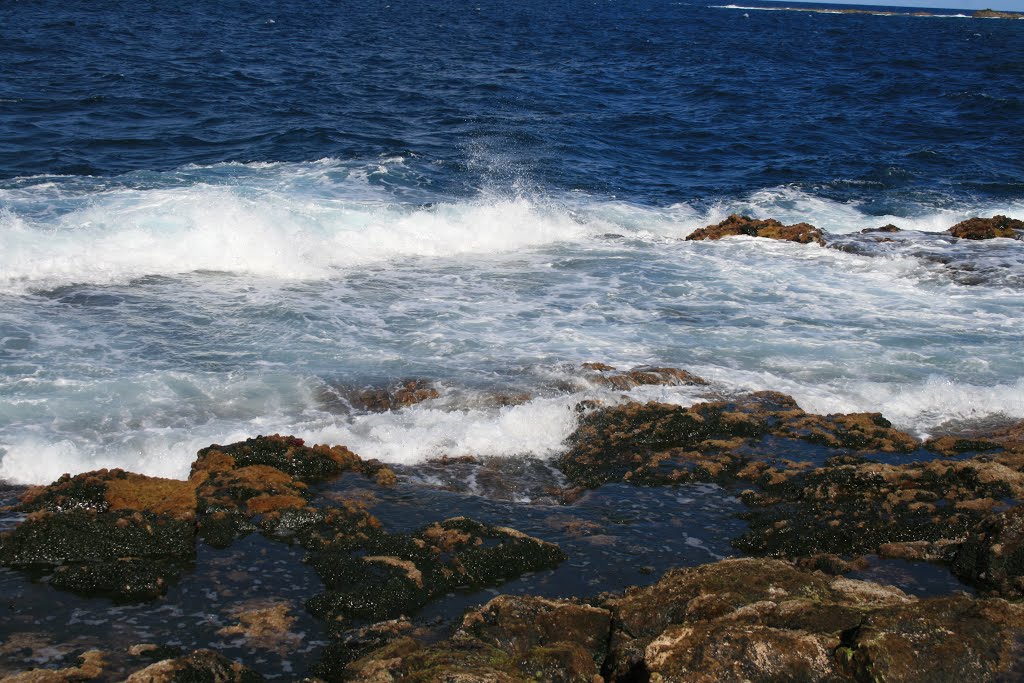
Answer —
987 228
804 233
407 393
606 375
90 667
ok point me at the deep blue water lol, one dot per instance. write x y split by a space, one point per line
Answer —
217 218
657 102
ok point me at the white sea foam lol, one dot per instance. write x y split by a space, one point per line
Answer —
537 428
308 221
342 278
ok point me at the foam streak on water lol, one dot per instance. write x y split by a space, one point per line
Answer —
148 315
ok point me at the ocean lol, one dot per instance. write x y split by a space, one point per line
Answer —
219 220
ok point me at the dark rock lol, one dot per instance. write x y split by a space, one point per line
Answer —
285 453
202 665
376 575
606 375
765 620
885 228
770 228
950 445
986 228
407 393
656 443
992 556
851 507
129 556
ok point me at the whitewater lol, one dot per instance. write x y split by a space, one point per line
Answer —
221 222
147 315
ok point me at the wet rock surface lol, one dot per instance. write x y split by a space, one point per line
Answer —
282 560
987 228
735 620
657 443
804 233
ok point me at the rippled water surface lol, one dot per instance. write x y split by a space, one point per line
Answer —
216 219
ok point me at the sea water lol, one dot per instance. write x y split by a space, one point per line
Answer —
216 221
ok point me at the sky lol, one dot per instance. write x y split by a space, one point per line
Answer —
1008 5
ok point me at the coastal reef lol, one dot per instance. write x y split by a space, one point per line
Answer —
805 233
734 620
824 500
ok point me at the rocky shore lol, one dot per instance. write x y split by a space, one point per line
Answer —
293 561
823 497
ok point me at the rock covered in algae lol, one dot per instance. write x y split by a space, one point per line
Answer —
804 233
732 621
127 536
382 576
987 228
201 665
658 443
919 510
992 556
513 639
106 533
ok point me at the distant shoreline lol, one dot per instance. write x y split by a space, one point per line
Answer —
978 14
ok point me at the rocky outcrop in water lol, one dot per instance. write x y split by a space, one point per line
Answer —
819 485
804 233
987 228
127 536
735 620
994 14
821 490
657 443
407 393
992 555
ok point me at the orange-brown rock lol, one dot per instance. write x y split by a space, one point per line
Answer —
766 620
406 393
770 228
987 228
90 667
